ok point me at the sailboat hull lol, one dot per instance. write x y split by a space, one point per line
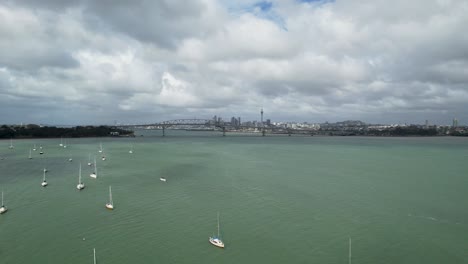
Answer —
44 184
3 209
110 206
94 176
80 186
216 242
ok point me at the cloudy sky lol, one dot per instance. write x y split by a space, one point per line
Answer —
93 62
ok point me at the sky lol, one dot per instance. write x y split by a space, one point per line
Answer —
97 62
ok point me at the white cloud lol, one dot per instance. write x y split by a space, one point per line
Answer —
302 61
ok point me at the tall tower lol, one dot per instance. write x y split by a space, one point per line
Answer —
261 113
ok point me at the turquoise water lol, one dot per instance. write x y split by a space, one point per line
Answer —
281 200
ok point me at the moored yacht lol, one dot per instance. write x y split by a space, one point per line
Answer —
94 174
80 185
110 204
3 208
216 240
44 182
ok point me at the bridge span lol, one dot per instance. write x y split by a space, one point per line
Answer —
219 126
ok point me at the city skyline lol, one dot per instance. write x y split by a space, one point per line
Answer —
84 62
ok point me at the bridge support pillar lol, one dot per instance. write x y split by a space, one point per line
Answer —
224 131
164 131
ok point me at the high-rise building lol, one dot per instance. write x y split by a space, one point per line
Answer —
268 122
426 125
240 124
261 113
455 123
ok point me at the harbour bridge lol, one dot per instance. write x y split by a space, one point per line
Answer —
212 125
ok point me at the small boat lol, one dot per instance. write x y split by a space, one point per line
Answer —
61 142
64 145
216 240
94 174
30 157
100 148
11 144
44 182
3 208
70 159
103 156
40 146
110 204
131 149
162 179
89 160
80 185
34 149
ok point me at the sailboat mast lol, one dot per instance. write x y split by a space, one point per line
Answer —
218 224
110 196
349 256
2 198
44 176
94 253
79 176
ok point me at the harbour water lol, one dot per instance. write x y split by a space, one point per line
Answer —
281 200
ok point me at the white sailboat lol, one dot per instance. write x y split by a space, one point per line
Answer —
131 149
3 208
103 156
110 204
40 146
100 147
89 160
162 179
71 158
94 174
44 182
11 144
80 185
64 144
216 240
30 157
34 149
61 142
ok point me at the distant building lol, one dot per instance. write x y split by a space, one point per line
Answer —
455 123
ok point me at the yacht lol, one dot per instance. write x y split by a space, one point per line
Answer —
216 240
110 204
3 208
162 179
11 144
80 185
30 157
94 174
44 182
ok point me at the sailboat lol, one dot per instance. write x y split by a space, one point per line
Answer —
40 146
94 253
100 147
349 253
110 204
71 158
44 182
216 240
94 174
64 144
30 157
103 156
34 149
61 142
80 185
3 208
131 149
89 160
162 179
11 144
